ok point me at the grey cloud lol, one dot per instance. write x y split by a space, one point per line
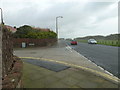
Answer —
76 16
97 6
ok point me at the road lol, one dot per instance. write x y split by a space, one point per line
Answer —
63 54
60 52
102 55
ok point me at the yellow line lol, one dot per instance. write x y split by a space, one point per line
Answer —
113 78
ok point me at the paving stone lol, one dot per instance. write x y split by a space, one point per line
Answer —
58 85
35 77
38 85
77 87
35 84
26 82
107 84
47 81
50 79
69 81
47 73
87 84
60 75
78 76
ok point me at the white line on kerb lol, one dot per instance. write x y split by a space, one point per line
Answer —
69 48
109 73
101 68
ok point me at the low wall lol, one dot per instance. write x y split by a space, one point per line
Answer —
11 65
17 42
14 78
7 52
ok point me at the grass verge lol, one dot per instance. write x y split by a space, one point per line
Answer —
105 42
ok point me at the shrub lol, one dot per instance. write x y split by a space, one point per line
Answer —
29 32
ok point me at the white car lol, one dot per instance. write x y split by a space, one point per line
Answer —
92 41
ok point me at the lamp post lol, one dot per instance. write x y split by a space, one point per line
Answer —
57 25
2 23
2 17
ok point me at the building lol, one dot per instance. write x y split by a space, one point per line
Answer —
12 29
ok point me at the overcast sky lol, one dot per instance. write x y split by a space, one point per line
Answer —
80 17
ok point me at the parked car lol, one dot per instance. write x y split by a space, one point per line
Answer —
73 42
92 41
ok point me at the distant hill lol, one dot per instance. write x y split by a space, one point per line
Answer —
113 37
100 37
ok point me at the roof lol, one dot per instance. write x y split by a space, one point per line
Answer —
12 29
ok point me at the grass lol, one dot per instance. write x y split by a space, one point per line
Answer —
84 41
109 42
105 42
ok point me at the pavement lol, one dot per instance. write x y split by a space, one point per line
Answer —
38 77
81 74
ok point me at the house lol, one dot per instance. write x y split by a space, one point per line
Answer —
12 29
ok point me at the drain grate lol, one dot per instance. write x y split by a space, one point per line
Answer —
48 65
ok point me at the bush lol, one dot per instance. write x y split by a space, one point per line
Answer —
29 32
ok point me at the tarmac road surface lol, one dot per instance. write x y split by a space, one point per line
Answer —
102 55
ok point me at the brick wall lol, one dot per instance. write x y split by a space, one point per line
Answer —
17 42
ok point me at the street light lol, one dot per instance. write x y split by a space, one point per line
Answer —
1 40
57 25
1 25
1 17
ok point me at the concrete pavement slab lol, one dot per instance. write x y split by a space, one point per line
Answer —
68 78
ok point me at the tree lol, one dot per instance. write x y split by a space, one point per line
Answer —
30 32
